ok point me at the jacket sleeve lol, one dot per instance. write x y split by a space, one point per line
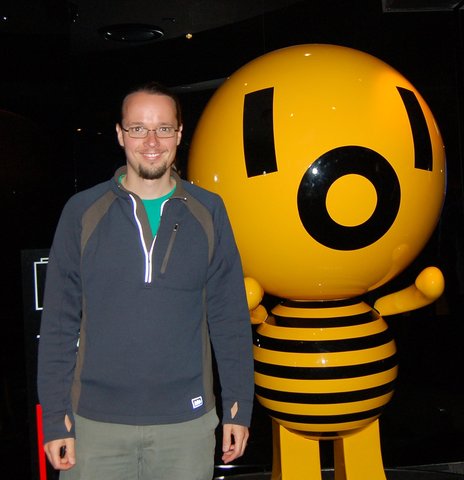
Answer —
59 329
229 323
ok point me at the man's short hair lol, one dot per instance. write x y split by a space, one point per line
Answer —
155 88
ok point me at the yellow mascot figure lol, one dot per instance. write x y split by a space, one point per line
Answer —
332 169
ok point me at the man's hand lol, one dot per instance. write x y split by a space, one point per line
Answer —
234 441
61 453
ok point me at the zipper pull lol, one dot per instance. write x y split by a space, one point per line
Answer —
169 248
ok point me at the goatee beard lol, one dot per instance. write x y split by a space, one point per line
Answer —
152 174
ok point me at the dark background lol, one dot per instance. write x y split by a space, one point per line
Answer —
58 105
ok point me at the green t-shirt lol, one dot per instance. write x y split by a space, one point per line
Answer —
153 208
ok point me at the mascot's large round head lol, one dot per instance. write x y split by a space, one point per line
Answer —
331 166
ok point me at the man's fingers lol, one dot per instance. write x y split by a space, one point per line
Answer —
60 453
234 442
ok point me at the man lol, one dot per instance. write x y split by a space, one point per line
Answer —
144 275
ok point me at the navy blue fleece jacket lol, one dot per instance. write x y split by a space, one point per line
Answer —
129 319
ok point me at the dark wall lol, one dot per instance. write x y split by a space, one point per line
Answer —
47 93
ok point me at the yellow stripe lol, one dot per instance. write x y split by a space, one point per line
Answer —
332 312
326 386
318 334
337 359
329 427
326 409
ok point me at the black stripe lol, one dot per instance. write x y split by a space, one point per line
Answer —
325 398
322 303
323 435
423 156
325 419
325 373
327 322
322 346
258 132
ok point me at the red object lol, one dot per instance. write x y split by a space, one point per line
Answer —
41 451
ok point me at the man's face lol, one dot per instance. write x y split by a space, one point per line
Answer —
150 157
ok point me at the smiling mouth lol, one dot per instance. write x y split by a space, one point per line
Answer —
151 155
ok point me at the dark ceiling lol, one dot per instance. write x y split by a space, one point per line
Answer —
54 51
174 18
85 22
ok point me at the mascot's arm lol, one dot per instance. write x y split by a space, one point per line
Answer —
254 293
429 286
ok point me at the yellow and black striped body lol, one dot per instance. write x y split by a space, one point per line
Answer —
324 369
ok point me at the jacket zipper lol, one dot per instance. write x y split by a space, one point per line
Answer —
149 253
169 249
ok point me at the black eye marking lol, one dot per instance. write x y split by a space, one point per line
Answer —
258 132
423 157
319 177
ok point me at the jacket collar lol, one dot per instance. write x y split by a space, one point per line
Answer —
180 190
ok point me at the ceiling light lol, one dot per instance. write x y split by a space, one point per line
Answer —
131 33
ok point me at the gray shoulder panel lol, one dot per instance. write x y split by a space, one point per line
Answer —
93 215
202 214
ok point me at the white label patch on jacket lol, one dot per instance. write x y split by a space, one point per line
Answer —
197 402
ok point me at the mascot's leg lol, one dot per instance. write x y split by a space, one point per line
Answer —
294 456
358 456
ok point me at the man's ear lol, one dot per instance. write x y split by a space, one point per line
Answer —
179 135
120 135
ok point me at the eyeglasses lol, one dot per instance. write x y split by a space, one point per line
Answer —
165 131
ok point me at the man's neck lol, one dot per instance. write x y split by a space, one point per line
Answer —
149 189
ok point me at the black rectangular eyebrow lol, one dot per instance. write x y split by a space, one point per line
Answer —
258 132
423 156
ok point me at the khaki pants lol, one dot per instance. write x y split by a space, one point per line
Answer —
108 451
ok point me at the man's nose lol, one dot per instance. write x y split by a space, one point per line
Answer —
151 138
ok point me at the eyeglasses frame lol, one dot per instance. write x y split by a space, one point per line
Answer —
147 130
